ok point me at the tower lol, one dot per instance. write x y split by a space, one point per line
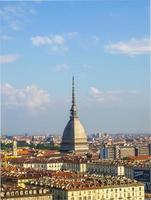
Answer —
14 147
74 137
52 143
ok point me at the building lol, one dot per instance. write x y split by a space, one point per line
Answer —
127 151
14 147
74 137
140 172
81 186
108 152
106 168
142 150
107 188
52 143
149 146
77 164
25 194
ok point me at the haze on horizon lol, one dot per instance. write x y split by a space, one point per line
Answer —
105 44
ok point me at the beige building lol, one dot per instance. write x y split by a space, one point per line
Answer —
52 164
75 166
106 168
26 194
127 151
14 147
79 186
96 190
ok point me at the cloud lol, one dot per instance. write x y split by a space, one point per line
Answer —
96 39
48 40
131 47
71 35
57 49
56 43
8 58
110 95
30 97
62 67
96 94
15 14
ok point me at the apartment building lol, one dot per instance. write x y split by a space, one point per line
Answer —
108 188
106 168
25 194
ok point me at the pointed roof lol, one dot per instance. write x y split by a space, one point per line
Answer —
74 135
73 110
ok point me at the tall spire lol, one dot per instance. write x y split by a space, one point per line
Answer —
73 97
73 110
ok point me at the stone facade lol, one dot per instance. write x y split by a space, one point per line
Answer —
106 169
26 194
105 193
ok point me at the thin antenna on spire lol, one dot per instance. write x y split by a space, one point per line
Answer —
73 95
73 107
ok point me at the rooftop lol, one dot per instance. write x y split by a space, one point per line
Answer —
88 182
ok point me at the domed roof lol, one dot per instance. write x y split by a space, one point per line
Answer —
74 136
74 130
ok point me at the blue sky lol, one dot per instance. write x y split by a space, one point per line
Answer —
105 44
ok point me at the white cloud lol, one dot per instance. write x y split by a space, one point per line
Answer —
71 35
131 47
58 49
97 95
8 58
110 95
95 92
15 14
58 43
48 40
30 97
62 67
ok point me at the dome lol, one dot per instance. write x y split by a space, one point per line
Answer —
74 137
74 130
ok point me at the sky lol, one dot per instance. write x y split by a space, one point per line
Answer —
104 44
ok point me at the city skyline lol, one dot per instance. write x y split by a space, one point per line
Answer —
105 45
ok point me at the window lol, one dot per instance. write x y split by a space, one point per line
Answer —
2 194
7 193
12 193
